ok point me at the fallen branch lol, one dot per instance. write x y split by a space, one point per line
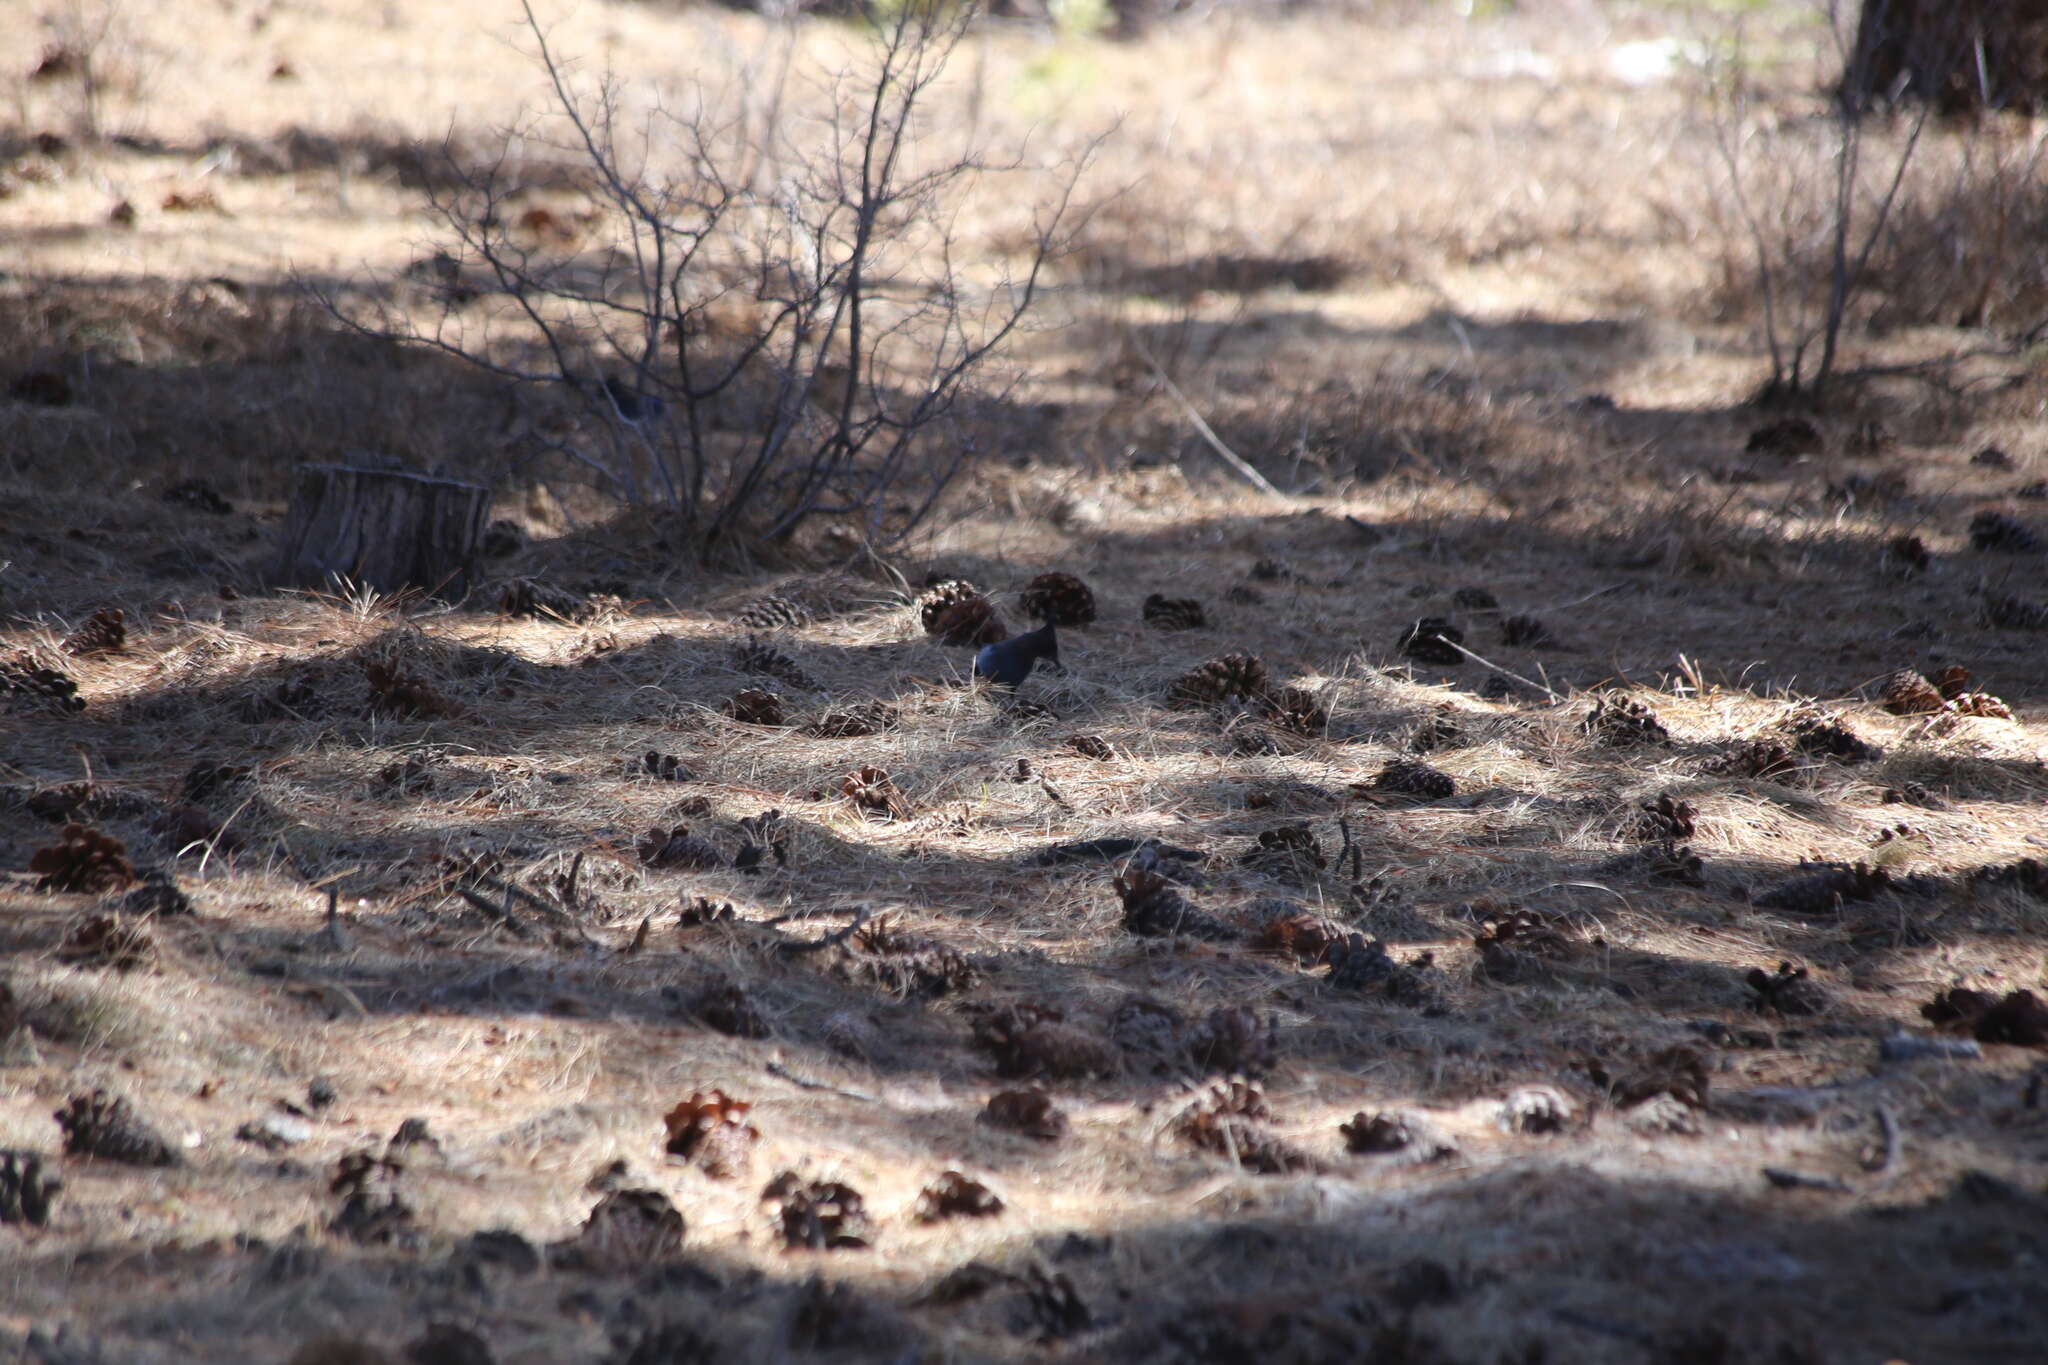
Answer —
1888 1148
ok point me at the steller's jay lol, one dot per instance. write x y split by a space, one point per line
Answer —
1008 662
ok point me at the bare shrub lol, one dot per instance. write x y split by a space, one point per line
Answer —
759 314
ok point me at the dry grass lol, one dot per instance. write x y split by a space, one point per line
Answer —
1440 314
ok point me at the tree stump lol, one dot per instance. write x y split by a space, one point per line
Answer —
1960 55
383 528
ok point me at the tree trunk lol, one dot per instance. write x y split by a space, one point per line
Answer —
1962 55
382 528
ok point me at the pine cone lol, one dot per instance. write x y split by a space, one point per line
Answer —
1825 888
1363 964
1995 531
1233 678
1153 909
1230 1120
1979 704
1296 709
969 624
1786 437
1788 991
1406 777
754 655
1060 599
1233 1039
1433 640
1823 734
873 791
84 859
1029 1112
1908 555
1621 720
953 1195
1305 938
107 941
630 1230
1035 1040
1523 632
1380 1133
21 675
103 632
395 692
677 847
1906 693
2028 874
1764 759
819 1215
752 706
1475 599
772 613
532 597
1150 1031
103 1125
935 599
727 1009
710 1129
1665 818
1174 613
1091 746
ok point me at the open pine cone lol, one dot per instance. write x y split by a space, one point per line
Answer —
710 1129
1906 693
968 624
752 706
1296 709
873 791
772 613
83 859
941 595
103 632
1174 613
1231 678
1059 598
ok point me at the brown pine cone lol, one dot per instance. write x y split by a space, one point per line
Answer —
1174 613
1060 599
968 624
1233 678
103 632
1906 693
83 859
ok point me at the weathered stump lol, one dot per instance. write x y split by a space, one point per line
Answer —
383 528
1960 55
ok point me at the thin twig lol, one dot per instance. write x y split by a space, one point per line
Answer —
1507 673
1230 457
806 1083
569 891
501 913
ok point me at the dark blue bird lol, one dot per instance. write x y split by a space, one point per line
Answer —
1008 662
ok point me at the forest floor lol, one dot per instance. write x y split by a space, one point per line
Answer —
1630 984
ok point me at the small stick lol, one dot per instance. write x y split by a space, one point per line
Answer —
805 1083
1526 682
514 891
500 913
1230 457
569 891
1795 1180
